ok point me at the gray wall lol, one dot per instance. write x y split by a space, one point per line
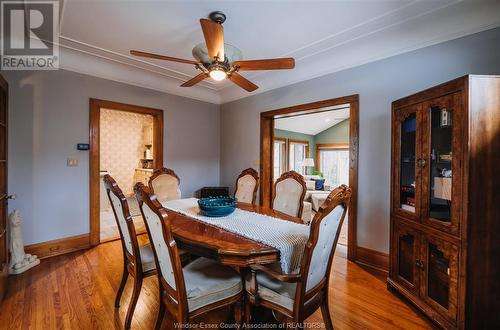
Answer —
378 84
49 114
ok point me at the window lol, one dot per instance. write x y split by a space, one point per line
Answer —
334 164
297 152
279 158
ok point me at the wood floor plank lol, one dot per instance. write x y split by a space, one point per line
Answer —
77 291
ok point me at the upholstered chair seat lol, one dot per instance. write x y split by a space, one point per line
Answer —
207 281
270 289
289 192
246 186
297 295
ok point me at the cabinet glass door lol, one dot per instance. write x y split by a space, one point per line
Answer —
442 120
440 276
406 270
406 190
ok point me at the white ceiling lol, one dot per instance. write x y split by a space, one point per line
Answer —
323 36
314 123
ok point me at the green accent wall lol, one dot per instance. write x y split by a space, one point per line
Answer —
335 134
279 133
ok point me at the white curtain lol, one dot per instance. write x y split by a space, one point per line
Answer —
335 166
297 156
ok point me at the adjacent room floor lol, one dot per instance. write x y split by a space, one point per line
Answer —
77 291
109 228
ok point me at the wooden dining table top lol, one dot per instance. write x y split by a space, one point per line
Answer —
206 240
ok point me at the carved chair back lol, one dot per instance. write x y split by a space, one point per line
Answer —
124 220
319 251
165 250
247 184
164 183
289 191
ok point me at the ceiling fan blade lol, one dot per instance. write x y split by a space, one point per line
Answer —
214 38
243 82
267 64
162 57
195 80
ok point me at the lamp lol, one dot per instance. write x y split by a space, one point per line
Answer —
308 162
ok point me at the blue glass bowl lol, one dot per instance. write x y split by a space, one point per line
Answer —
217 206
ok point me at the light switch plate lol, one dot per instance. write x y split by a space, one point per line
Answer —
72 162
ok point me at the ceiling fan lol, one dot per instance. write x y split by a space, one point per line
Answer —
220 61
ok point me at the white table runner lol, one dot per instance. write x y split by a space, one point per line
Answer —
286 236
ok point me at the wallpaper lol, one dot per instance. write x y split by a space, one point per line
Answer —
122 145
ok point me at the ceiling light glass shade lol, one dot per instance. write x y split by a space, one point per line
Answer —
232 53
217 74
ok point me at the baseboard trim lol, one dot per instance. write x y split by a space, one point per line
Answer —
59 246
373 259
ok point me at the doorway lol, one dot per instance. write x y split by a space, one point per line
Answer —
300 138
126 142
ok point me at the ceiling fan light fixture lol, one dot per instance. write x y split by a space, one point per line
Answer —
217 74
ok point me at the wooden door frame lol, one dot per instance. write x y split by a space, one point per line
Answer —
95 111
266 154
4 232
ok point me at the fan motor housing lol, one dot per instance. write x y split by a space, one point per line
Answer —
217 16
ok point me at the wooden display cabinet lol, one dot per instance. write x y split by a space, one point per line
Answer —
445 197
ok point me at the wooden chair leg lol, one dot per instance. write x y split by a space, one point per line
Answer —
238 312
133 301
325 311
248 311
122 286
161 314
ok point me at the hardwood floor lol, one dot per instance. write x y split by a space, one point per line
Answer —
77 291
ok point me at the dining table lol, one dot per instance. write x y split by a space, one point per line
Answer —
206 240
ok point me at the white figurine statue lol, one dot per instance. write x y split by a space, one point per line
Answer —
20 261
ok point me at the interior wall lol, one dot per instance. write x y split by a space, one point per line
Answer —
49 115
335 134
378 84
122 145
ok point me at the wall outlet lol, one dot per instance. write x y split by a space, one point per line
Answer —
72 162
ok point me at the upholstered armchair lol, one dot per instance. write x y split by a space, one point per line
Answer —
138 261
247 184
289 192
200 287
294 297
165 184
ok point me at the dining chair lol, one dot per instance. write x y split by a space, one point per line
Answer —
186 292
289 192
247 184
138 261
165 184
297 295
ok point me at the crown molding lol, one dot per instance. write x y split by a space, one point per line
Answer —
80 61
344 55
372 40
